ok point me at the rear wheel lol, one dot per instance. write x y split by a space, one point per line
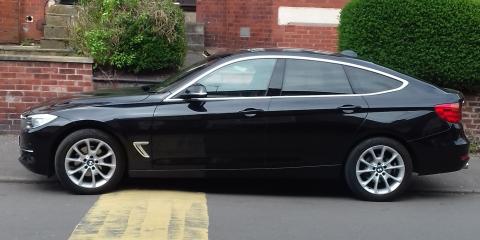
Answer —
89 161
378 169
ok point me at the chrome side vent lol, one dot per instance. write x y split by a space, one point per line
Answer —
139 147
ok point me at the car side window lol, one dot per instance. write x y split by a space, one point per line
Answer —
364 81
249 78
303 77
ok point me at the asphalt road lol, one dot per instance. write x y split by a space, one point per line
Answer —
257 209
39 211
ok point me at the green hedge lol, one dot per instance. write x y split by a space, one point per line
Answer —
132 35
434 40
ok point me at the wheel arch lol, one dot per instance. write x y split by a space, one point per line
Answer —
384 135
79 125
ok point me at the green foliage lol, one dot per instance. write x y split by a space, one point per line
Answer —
434 40
133 35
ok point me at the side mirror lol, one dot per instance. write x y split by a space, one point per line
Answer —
195 91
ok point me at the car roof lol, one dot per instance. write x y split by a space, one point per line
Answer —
312 54
291 52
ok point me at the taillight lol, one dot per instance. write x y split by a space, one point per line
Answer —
450 112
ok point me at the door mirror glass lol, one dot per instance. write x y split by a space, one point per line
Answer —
195 91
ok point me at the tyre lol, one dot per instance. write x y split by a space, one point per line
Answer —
89 161
378 169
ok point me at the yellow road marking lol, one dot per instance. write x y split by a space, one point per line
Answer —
145 214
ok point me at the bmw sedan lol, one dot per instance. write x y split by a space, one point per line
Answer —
254 113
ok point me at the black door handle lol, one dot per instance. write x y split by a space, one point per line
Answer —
251 112
349 108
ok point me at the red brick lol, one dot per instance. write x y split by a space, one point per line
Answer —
49 82
8 75
66 83
42 76
23 87
75 65
50 70
16 69
84 71
58 76
24 75
66 71
29 99
33 70
75 77
7 86
41 64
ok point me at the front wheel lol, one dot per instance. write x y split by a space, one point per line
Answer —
89 161
378 169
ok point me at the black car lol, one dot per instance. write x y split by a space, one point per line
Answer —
256 113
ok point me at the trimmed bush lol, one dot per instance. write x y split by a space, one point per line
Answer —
434 40
132 35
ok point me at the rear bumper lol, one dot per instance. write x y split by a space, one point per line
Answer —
441 153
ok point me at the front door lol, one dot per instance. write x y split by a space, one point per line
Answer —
225 130
315 118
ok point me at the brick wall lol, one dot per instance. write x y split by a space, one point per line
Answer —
27 83
36 9
9 21
13 26
223 19
471 116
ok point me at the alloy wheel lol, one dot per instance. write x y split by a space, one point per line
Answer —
380 170
90 163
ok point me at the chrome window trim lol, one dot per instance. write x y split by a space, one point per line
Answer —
403 81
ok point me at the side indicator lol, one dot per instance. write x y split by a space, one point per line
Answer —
139 147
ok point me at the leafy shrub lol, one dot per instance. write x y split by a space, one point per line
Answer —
133 35
434 40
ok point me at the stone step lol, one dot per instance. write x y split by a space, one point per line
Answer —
58 20
198 28
58 43
62 9
190 17
34 50
55 32
195 39
196 47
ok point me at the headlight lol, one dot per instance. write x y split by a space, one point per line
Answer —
37 120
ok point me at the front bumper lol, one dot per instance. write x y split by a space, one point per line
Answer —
38 146
441 153
32 159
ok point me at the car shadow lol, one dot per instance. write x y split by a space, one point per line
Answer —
274 187
321 188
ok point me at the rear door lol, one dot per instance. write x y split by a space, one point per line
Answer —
314 119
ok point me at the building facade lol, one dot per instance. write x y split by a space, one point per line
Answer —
235 24
22 20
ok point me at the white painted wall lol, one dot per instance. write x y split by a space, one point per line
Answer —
308 16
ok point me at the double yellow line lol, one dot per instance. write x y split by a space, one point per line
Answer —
145 214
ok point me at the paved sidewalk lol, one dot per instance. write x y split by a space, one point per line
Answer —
464 181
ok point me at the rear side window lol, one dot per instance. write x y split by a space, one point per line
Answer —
364 81
303 77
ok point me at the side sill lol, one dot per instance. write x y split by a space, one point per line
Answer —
332 171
